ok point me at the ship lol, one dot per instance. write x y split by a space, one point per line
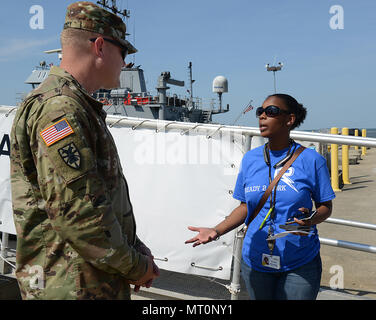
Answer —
132 98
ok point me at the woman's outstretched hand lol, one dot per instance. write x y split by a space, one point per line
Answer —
204 235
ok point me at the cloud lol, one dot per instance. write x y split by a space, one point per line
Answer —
18 47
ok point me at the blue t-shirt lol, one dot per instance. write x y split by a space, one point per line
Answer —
307 179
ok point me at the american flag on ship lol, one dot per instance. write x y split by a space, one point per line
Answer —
56 132
249 107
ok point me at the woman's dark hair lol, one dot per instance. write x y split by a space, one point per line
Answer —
294 107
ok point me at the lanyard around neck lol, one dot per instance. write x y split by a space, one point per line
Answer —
273 197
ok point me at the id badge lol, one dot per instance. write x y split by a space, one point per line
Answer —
270 261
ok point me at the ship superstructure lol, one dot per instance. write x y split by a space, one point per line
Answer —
132 99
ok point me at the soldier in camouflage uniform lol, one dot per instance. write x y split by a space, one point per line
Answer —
76 233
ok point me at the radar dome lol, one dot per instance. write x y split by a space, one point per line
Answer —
220 84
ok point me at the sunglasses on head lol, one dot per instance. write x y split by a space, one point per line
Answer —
124 51
270 111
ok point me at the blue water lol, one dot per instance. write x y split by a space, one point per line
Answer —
371 133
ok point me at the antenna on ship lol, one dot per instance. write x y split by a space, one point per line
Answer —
190 84
104 3
124 13
134 39
274 69
220 86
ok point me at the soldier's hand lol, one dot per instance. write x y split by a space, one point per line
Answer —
148 284
146 280
145 250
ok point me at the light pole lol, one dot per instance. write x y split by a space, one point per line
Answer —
274 69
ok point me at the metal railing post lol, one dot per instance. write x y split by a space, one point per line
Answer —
4 267
234 287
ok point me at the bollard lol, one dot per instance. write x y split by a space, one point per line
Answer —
364 134
334 163
356 134
345 159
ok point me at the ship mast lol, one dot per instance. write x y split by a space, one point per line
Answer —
104 3
190 84
124 13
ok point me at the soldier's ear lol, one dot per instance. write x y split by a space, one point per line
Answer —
98 47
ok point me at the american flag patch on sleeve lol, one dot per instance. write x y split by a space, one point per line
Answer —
56 132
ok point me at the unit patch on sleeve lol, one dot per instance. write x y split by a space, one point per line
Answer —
70 155
56 132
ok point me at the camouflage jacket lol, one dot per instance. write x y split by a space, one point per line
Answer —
76 233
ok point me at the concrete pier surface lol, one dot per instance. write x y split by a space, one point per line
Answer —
356 202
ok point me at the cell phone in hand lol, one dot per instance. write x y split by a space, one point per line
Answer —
302 219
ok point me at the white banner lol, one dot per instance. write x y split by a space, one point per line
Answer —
178 181
175 181
6 214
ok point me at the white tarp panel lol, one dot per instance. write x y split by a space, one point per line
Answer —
178 181
175 181
6 218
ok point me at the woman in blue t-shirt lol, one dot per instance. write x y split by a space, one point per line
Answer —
288 265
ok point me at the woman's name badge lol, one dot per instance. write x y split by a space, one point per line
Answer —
271 261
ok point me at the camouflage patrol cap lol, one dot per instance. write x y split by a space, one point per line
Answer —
88 16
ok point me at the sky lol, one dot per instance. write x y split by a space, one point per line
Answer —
327 48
